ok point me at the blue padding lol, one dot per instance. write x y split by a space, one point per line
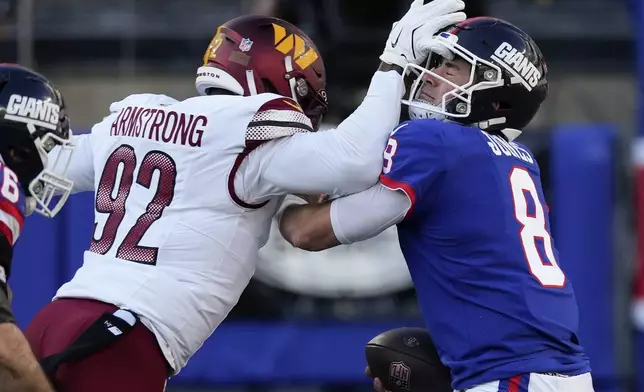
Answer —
283 352
582 172
35 272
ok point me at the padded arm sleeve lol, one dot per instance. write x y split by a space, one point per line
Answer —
366 214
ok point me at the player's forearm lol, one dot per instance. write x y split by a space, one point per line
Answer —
367 129
340 161
19 369
345 220
308 226
312 163
366 214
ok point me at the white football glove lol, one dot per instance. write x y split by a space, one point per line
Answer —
422 20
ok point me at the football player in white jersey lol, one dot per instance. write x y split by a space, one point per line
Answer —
32 122
186 192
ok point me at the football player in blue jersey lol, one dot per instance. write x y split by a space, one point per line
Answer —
32 122
471 217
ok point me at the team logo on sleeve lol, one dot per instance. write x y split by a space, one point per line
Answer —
399 375
29 110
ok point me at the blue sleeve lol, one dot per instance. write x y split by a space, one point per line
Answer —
413 159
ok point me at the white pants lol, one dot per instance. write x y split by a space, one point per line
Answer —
537 382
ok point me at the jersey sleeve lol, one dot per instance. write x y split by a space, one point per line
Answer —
352 217
413 159
339 161
276 118
12 205
81 166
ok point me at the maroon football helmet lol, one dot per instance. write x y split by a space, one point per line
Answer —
257 54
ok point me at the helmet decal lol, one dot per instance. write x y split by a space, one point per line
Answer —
304 58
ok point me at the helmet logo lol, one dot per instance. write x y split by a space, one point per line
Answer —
450 37
304 58
211 52
519 66
245 45
29 110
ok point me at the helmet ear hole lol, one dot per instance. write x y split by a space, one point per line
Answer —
301 87
20 155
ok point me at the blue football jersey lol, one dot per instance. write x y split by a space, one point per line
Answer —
478 246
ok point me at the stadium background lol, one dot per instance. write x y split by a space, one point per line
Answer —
302 323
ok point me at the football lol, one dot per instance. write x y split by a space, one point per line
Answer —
405 360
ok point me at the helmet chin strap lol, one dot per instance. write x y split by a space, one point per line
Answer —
250 80
416 113
288 64
30 205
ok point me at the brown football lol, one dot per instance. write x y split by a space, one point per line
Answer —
405 360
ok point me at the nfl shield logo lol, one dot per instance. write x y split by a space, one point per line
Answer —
245 45
399 375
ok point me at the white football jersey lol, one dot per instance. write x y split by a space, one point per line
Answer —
172 240
186 192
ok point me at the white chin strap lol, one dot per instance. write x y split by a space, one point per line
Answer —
417 113
288 64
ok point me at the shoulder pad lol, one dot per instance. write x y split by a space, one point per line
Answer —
142 99
277 117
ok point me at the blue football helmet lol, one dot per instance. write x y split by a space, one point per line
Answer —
33 122
507 80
